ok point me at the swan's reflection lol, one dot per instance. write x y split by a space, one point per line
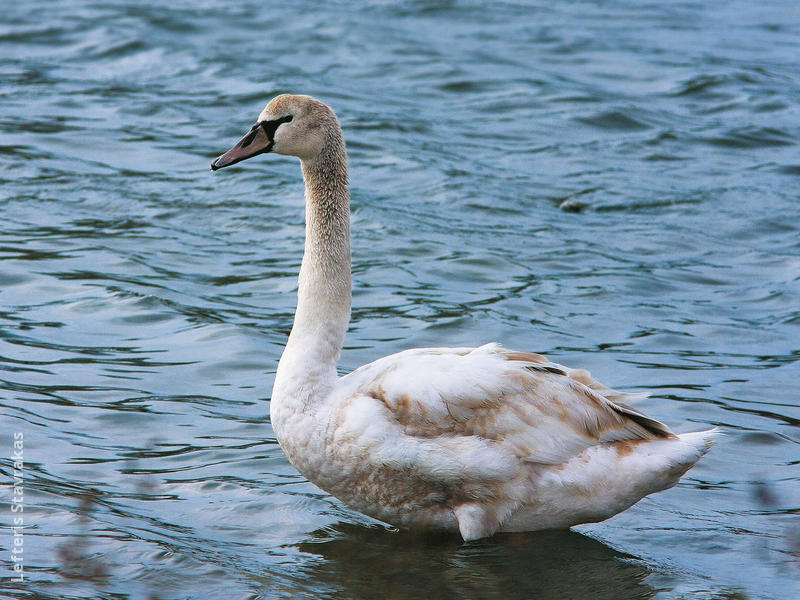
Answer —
375 563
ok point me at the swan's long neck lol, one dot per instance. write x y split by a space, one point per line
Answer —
307 368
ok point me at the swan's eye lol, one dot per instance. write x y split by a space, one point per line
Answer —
270 127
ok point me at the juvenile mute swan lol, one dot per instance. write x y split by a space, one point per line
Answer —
475 440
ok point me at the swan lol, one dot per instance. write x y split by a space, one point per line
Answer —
469 440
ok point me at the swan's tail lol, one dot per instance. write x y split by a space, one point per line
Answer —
700 441
690 448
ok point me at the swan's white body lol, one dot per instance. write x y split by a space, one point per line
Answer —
475 440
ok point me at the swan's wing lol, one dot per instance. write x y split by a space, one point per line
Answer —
463 413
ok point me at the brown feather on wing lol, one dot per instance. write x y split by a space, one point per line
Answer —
596 392
527 405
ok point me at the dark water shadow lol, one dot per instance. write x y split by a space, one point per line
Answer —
374 562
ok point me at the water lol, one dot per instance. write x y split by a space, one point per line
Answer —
613 184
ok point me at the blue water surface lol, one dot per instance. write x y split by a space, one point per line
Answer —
614 184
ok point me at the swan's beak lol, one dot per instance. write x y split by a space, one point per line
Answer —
257 141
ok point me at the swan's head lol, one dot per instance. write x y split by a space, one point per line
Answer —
294 125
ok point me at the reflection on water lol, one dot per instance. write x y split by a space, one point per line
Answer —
613 184
361 562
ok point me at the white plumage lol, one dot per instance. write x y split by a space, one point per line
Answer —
475 440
